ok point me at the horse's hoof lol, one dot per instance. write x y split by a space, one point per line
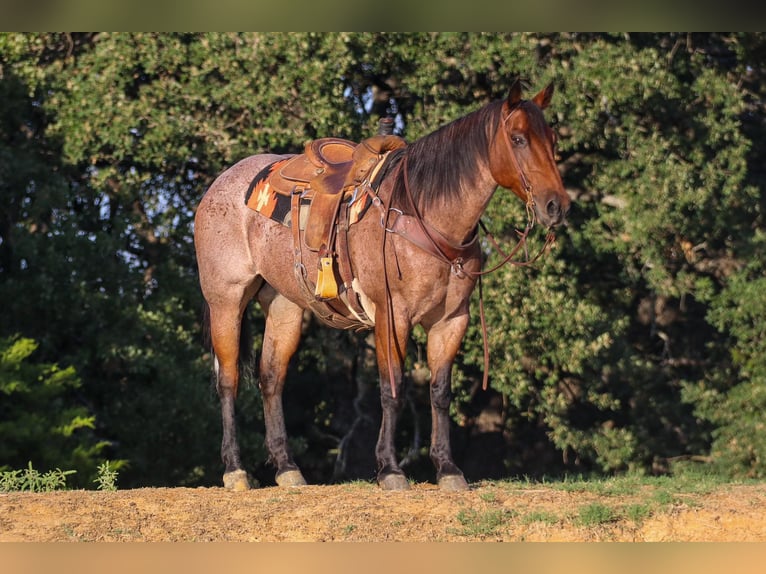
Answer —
236 480
291 478
394 482
453 483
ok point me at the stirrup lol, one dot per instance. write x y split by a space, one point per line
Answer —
326 287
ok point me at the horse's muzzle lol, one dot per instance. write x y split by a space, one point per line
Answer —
554 212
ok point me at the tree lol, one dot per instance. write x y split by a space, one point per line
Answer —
43 420
613 353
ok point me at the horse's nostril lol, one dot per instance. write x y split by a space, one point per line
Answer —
553 208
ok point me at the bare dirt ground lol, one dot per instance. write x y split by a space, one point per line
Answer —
362 512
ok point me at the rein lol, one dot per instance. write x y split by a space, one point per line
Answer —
415 229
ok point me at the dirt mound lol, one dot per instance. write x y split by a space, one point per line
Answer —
362 512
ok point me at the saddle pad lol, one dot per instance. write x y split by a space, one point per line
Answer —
264 199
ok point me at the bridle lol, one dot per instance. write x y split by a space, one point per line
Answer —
530 208
418 231
432 241
526 186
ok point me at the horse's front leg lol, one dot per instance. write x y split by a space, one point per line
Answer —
280 341
444 339
390 475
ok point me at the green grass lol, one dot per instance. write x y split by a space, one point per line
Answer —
482 523
688 482
352 485
540 516
630 497
663 497
595 513
488 496
638 512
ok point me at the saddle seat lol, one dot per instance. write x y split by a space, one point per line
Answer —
328 170
315 184
332 165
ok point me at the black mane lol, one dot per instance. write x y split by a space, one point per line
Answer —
445 161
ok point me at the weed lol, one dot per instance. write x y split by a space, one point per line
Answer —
107 477
33 480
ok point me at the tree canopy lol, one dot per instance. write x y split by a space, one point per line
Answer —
637 344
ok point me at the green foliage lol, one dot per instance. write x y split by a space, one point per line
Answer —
635 343
735 400
32 480
40 415
598 347
107 477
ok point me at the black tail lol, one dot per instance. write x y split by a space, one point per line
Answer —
207 341
246 364
247 367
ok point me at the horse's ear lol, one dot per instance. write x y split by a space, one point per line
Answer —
543 99
514 94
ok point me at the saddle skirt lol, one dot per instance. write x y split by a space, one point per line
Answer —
266 195
329 171
322 192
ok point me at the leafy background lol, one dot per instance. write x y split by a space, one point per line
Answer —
637 345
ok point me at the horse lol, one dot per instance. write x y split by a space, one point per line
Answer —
415 259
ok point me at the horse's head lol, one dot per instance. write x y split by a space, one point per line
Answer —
522 156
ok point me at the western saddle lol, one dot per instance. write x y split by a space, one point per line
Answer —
329 171
325 172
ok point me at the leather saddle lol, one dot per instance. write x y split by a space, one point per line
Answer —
328 170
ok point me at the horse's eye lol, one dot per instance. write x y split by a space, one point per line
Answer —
518 140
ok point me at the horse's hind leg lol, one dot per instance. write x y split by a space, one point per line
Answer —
225 326
280 341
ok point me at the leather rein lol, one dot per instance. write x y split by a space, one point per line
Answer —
416 230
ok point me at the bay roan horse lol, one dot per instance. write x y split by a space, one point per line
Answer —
415 260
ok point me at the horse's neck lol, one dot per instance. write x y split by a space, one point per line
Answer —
458 219
462 196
